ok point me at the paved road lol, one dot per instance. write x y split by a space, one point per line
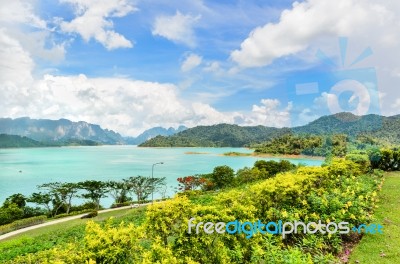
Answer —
69 218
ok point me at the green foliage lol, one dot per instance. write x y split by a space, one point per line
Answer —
13 141
17 199
271 167
118 190
60 195
90 215
18 224
369 130
222 135
41 199
10 213
385 159
95 190
222 176
361 159
142 186
336 192
314 145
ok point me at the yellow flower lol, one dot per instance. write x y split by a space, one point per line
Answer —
284 214
352 216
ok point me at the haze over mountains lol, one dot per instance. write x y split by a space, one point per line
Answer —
57 132
42 132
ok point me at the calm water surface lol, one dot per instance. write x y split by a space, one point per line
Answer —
21 170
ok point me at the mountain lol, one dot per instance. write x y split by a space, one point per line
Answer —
383 128
343 123
221 135
63 130
153 132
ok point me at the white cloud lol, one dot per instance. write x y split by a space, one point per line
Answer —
306 116
396 104
177 28
316 24
269 114
191 62
18 11
93 20
214 67
20 25
15 63
306 23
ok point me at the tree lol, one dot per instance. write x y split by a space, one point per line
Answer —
10 213
222 176
188 183
247 175
41 199
17 199
271 167
95 190
61 193
118 190
142 186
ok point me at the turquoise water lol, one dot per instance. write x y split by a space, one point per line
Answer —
21 170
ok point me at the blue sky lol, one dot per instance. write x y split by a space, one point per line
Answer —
132 65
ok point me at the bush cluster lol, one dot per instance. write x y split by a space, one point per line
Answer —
22 224
337 192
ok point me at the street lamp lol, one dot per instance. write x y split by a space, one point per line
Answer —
152 180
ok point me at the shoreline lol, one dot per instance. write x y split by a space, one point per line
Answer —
268 155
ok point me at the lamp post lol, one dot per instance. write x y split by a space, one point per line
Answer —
152 179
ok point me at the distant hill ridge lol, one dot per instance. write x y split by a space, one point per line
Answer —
225 135
46 132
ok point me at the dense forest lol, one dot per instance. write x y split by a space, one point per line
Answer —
221 135
13 141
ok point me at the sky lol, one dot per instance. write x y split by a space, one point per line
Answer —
129 65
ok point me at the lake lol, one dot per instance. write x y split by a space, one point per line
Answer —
21 170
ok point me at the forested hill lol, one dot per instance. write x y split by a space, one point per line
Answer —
13 141
221 135
224 135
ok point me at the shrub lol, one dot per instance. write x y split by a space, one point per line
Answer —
72 213
22 224
90 215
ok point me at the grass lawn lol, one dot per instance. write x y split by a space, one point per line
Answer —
383 248
57 234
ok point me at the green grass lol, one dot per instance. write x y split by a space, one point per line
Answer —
67 232
383 248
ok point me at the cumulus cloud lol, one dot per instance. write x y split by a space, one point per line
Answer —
313 25
191 61
177 28
269 113
93 21
18 11
305 24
